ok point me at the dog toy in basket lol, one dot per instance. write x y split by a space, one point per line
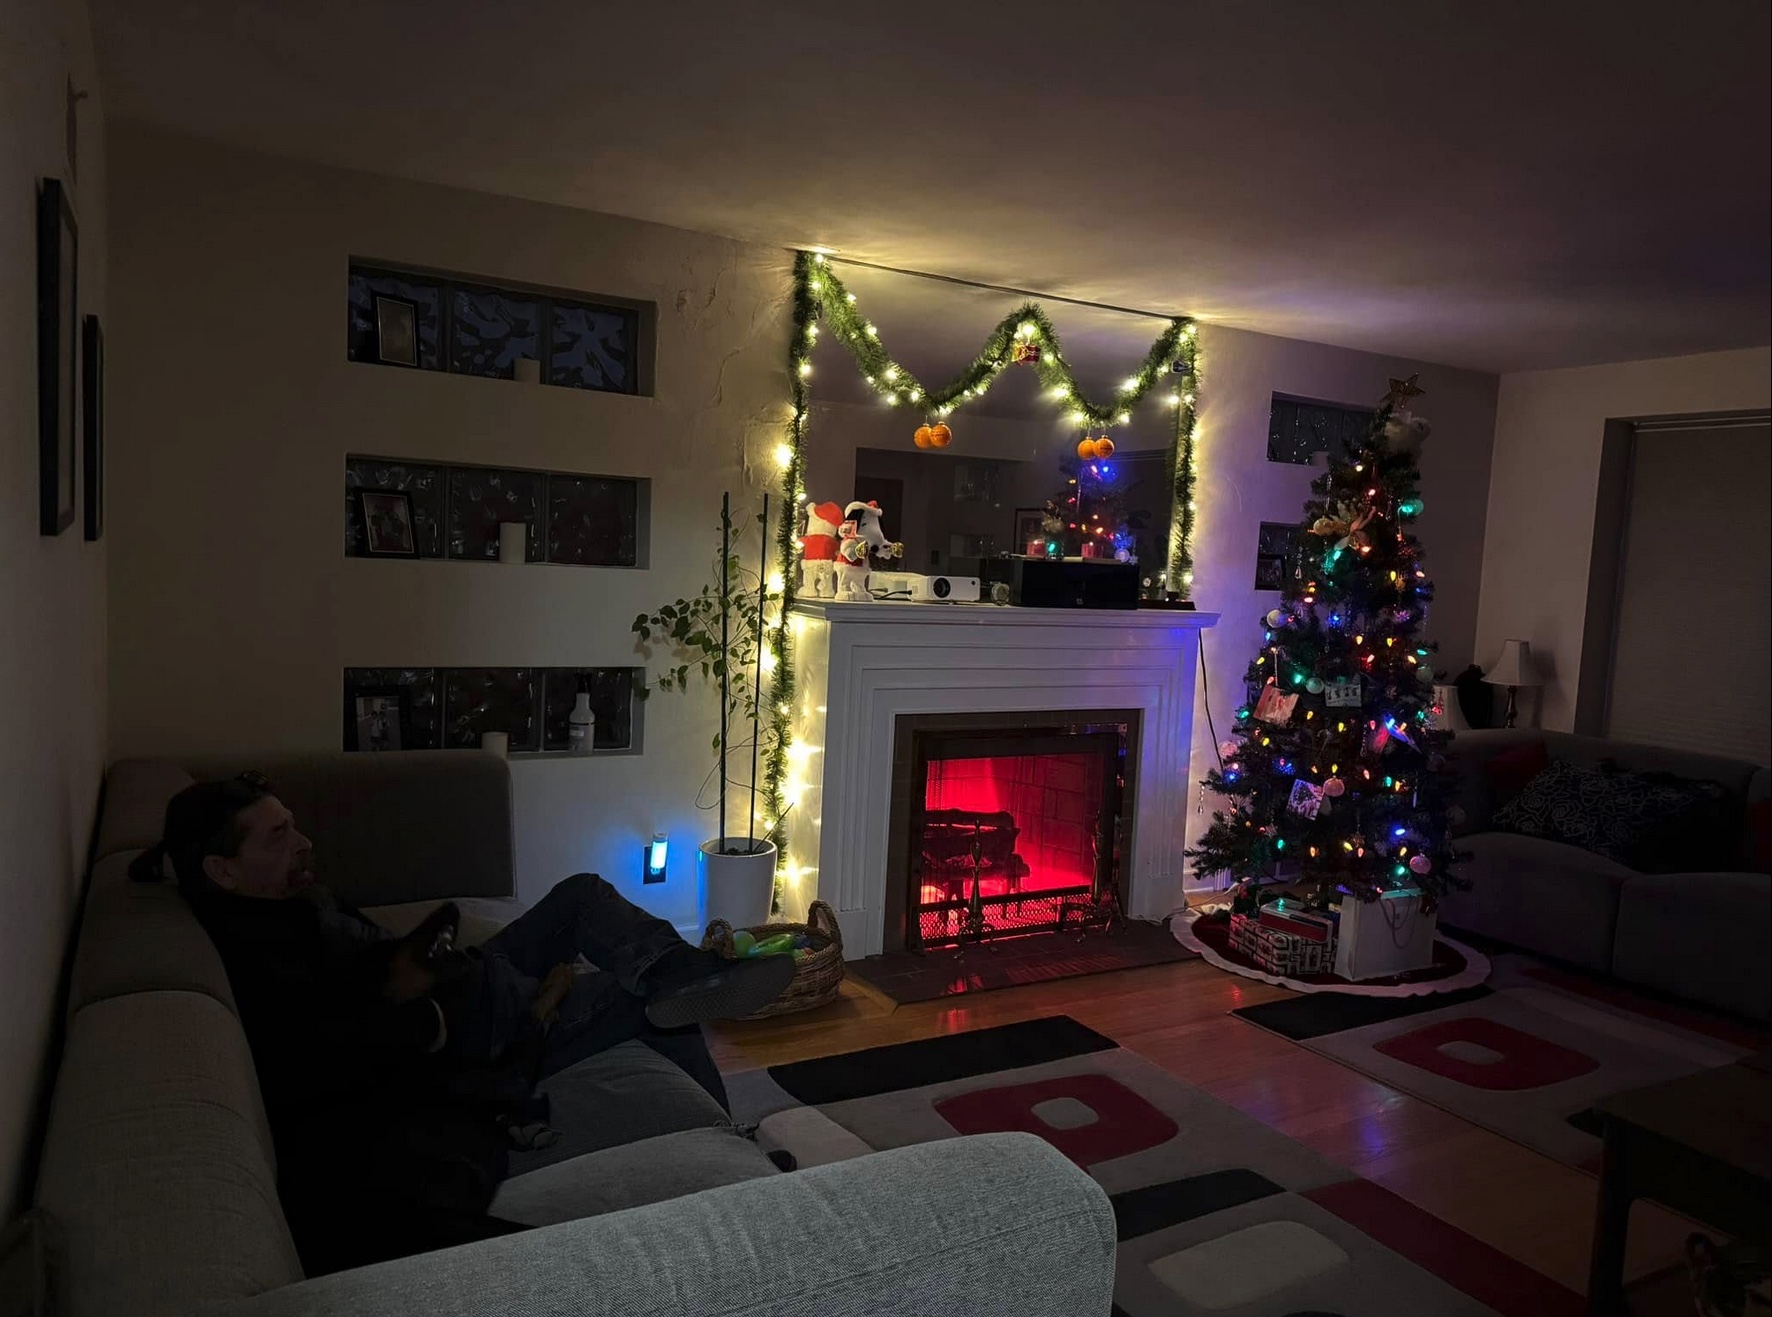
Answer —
816 946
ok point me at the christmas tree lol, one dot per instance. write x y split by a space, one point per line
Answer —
1090 509
1335 773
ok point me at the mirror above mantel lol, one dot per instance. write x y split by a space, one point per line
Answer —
983 494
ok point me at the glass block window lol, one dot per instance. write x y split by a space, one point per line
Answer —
449 708
490 330
477 700
469 327
425 294
612 700
425 485
480 498
593 347
574 520
593 521
1276 553
1298 429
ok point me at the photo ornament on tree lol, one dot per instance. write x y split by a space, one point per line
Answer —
1274 707
1343 694
1305 799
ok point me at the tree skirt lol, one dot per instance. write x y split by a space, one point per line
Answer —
1207 930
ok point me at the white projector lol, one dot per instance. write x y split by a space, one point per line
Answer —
917 588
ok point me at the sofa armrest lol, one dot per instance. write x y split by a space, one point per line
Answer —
996 1225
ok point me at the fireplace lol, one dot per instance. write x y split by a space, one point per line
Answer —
1008 824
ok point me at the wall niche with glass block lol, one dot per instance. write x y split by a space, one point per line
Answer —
1298 429
451 708
423 320
396 508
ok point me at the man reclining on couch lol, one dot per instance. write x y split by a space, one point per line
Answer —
394 1069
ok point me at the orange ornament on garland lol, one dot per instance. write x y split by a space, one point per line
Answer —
924 438
1086 449
1104 447
940 436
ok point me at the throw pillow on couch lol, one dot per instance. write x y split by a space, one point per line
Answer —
1652 822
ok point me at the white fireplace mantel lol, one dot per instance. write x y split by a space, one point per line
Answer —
860 665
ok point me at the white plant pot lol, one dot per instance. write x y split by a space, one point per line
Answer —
1388 936
736 888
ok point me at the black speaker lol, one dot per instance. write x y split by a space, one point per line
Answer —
1073 583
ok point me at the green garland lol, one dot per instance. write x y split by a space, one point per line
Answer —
819 296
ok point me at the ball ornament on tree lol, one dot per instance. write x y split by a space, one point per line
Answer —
940 436
1314 685
924 438
1086 449
1420 864
1104 447
1334 787
1425 676
1277 617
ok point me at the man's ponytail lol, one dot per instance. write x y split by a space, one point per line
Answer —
150 865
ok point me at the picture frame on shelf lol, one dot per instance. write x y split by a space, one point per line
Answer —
58 356
387 524
92 391
396 330
378 719
1030 525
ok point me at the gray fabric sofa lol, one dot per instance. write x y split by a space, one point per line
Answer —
1700 936
159 1175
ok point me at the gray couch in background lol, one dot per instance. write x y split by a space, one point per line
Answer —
159 1172
1703 936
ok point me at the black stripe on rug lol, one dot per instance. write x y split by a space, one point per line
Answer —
1159 1206
1319 1013
937 1060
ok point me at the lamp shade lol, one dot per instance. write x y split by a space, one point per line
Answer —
1515 666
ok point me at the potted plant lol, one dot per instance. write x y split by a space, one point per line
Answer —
717 636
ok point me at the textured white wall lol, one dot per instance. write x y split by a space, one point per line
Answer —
1548 430
52 591
234 608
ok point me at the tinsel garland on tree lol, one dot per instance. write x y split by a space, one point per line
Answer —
1334 770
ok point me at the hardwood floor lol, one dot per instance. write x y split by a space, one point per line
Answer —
1525 1204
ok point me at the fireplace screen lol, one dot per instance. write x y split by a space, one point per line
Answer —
1015 827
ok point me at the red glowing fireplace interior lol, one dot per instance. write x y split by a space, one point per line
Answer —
1028 821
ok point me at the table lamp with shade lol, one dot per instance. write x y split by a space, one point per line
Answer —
1513 669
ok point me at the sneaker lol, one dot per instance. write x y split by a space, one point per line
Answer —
696 986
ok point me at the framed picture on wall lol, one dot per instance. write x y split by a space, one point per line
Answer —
58 356
396 330
378 718
387 524
92 389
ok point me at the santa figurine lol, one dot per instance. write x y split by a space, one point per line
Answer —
818 566
859 536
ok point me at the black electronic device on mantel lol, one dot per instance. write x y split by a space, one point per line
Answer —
1073 583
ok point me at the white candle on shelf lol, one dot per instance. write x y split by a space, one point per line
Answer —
513 541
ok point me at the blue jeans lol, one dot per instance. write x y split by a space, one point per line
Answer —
583 915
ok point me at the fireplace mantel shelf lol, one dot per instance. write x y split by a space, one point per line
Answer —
906 613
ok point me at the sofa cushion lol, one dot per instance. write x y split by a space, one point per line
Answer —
139 937
1603 809
1558 900
1511 770
622 1095
1701 936
632 1175
157 1163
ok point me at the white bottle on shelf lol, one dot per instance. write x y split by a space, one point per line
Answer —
581 723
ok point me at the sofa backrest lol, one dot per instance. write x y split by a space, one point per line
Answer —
1747 783
158 1166
396 826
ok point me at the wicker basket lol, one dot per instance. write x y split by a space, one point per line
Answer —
818 970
